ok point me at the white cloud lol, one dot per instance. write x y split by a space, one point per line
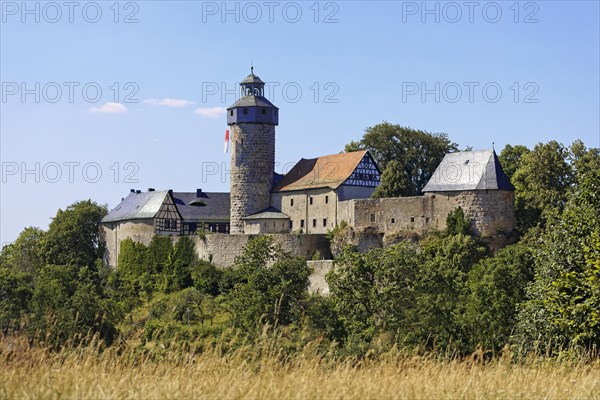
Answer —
210 112
168 102
110 108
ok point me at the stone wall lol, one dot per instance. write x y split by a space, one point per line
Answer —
490 211
140 230
266 225
221 249
252 166
318 284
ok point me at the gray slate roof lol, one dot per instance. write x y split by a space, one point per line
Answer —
216 206
252 101
469 170
268 213
210 206
251 79
137 206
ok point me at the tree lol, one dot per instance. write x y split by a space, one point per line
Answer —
68 305
583 160
374 292
441 284
542 181
496 286
510 158
73 235
457 223
419 152
269 286
394 182
25 253
563 302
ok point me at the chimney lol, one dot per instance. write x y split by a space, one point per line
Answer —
132 191
171 192
151 189
198 192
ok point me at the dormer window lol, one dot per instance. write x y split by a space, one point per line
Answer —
231 113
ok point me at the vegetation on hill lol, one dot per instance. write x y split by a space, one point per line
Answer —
444 293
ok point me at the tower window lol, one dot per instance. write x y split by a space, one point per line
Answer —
372 217
301 223
326 199
324 221
264 111
291 202
245 111
314 223
231 113
311 201
427 220
412 219
393 221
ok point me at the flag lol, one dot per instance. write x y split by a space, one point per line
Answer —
226 149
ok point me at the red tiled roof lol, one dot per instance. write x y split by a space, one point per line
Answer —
326 171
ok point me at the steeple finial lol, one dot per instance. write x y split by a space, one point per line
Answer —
493 147
251 67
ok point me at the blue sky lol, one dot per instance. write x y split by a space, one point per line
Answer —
482 72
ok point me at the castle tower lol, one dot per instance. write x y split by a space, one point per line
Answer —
252 120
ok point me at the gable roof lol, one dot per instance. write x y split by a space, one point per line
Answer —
322 172
209 206
137 206
469 170
268 213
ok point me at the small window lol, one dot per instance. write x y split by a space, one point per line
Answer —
301 223
393 221
427 220
245 111
264 111
231 113
311 201
324 221
291 224
412 219
292 202
372 217
314 223
326 199
273 224
275 112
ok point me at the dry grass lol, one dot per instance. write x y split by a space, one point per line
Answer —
34 372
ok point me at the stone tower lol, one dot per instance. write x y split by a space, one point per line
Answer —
252 120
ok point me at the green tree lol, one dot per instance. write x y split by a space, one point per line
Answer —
510 158
185 258
457 223
270 286
25 253
563 302
16 288
542 182
73 235
394 182
68 305
442 281
374 292
496 286
419 152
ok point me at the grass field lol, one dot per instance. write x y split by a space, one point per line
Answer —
33 372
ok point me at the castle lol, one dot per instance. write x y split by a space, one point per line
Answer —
314 197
